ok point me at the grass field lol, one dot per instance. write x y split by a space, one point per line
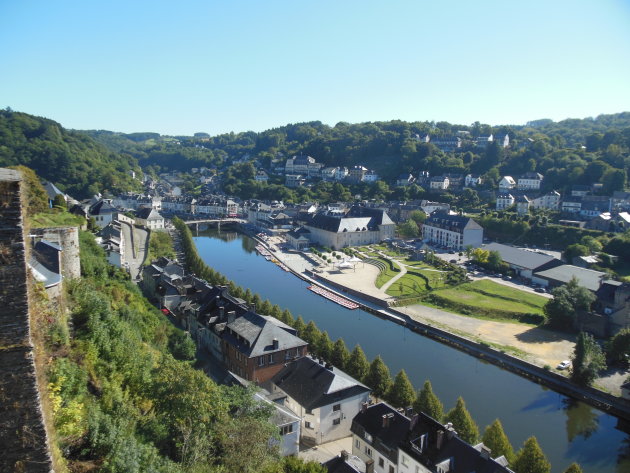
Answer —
489 299
386 272
56 219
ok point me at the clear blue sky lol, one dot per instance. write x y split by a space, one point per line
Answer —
178 67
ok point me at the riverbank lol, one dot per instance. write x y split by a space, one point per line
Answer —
434 326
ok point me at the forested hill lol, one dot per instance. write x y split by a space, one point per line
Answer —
571 151
72 160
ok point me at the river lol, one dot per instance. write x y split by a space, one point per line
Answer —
568 431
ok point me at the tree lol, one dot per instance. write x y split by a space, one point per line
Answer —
495 439
299 326
402 393
60 202
531 459
567 301
409 229
619 349
428 402
358 365
324 346
311 335
494 260
378 378
574 250
293 464
287 318
463 422
417 216
340 354
573 468
588 359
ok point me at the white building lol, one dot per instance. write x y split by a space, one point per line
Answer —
522 205
507 183
452 231
530 181
504 200
472 180
324 397
440 183
370 176
150 219
341 173
549 201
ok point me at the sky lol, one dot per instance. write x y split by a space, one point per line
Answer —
180 67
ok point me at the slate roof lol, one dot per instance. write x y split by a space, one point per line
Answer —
314 385
523 258
52 190
444 220
148 214
299 232
102 207
339 224
339 465
390 436
253 335
587 278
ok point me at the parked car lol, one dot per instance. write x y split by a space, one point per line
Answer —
540 290
563 365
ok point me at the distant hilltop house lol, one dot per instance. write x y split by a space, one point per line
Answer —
507 183
504 200
405 179
530 181
358 226
473 180
522 205
452 231
303 165
550 201
150 219
261 176
439 183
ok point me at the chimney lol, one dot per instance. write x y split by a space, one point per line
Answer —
385 421
369 466
253 307
450 431
440 439
231 316
221 312
329 366
364 407
414 420
344 455
276 344
485 452
409 411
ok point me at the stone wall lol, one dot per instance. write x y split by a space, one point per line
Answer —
68 239
23 439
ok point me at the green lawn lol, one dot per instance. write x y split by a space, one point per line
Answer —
56 219
489 299
386 273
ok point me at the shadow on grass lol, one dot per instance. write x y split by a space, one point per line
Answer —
544 335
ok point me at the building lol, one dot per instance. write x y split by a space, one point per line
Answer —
256 348
341 173
594 205
401 441
580 190
572 205
522 205
530 181
324 397
562 274
299 238
294 180
620 201
473 180
45 265
504 200
358 226
484 141
439 183
507 183
452 231
405 179
549 201
261 176
370 176
346 463
53 191
523 262
429 207
448 144
610 222
103 212
304 165
149 218
357 173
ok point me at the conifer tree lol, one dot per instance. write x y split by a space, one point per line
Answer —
324 346
276 312
311 336
256 303
300 326
573 468
287 318
495 439
378 378
358 365
531 459
402 393
248 296
428 402
463 422
265 307
340 354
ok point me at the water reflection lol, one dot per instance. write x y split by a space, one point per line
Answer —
582 420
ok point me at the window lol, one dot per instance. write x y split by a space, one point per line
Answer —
357 443
336 407
309 412
336 421
391 469
405 461
261 361
368 437
381 462
368 451
270 358
308 425
286 429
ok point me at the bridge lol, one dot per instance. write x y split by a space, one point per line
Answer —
213 221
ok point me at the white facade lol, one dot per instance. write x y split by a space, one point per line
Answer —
341 173
452 231
549 201
472 181
363 448
504 201
439 183
529 182
507 183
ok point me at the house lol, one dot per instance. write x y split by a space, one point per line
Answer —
572 205
256 347
530 181
613 302
358 226
562 274
328 173
483 141
401 441
149 218
405 179
357 173
261 176
303 165
299 238
504 200
448 144
549 201
294 180
620 201
507 183
439 183
113 242
522 205
370 176
455 180
341 173
610 222
580 190
593 205
326 398
429 207
452 231
346 463
473 180
53 191
523 262
103 212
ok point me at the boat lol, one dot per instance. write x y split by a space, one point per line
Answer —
331 296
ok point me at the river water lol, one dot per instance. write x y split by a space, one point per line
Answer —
568 431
